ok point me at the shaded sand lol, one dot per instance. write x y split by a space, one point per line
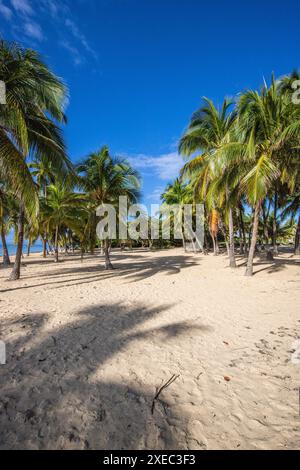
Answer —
88 349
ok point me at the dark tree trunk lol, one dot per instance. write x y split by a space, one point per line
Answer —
265 221
231 240
108 265
56 245
16 272
28 248
297 238
275 250
44 247
249 270
6 259
242 249
183 241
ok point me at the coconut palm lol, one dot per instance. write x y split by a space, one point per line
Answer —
44 174
6 203
209 129
105 179
292 210
35 100
176 194
61 209
269 125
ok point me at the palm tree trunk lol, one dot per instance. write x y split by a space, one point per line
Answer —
297 239
243 231
265 221
56 245
45 247
249 270
223 231
214 243
16 272
6 259
275 249
231 240
108 265
183 239
28 248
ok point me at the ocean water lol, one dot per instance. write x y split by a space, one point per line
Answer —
36 248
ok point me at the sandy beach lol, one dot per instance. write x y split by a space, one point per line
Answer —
88 350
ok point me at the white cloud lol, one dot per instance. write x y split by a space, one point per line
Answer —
76 56
155 196
50 5
56 14
33 30
166 167
5 11
79 36
22 6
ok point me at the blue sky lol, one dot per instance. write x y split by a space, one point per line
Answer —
137 69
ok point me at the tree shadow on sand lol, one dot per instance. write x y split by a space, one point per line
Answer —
132 268
54 394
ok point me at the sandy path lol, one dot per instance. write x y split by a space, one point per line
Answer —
87 349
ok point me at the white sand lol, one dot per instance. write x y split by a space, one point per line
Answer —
87 350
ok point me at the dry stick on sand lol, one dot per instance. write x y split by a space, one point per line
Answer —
163 387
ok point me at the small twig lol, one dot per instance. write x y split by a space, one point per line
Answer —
163 387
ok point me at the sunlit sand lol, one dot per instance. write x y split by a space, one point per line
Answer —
88 350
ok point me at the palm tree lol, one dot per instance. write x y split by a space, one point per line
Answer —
268 127
105 179
43 172
292 209
5 202
35 100
177 194
61 209
209 129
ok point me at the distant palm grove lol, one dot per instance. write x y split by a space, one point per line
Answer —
242 163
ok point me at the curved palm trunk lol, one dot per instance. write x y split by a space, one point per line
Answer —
297 239
6 259
108 265
16 272
249 270
28 248
231 240
56 245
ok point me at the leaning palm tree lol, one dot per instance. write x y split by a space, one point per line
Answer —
35 100
105 179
